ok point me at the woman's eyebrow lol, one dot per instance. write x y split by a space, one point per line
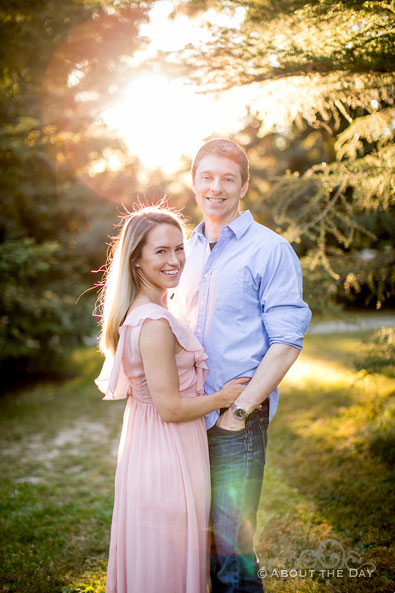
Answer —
166 246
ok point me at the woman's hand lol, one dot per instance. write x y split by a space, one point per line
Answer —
231 390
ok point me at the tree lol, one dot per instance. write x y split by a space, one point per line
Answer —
319 77
318 69
51 51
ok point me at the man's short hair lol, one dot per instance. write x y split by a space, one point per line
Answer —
226 148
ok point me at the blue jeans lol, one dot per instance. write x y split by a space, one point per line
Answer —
237 460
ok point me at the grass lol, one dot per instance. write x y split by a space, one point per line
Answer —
326 479
57 470
323 479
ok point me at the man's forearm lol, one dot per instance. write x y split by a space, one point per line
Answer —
272 369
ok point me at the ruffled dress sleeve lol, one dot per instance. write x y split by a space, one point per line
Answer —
114 381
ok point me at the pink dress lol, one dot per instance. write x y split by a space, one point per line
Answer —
159 532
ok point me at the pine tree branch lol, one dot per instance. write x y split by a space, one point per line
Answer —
322 215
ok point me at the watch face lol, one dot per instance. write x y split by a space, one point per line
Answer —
239 413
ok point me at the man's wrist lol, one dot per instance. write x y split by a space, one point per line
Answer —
245 405
228 421
238 412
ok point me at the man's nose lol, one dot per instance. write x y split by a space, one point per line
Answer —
215 184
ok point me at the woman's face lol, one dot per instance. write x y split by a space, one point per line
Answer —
162 257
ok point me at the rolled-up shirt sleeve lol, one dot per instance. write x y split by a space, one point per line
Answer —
285 315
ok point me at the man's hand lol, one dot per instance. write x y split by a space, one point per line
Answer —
227 421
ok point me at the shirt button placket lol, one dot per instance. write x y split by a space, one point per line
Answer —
202 304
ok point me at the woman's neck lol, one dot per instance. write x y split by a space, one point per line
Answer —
151 295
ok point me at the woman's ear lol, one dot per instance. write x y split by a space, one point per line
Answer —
134 261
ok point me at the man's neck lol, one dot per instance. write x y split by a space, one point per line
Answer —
213 228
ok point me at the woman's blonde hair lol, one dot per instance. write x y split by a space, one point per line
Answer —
121 283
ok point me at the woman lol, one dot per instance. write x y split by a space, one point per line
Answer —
162 484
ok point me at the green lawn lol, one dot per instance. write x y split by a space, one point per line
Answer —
327 478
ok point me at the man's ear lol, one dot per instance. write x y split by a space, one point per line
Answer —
243 190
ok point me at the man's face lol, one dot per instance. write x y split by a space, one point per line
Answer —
218 188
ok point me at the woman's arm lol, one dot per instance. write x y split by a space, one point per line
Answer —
157 350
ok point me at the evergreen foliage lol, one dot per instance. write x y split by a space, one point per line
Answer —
39 316
319 134
52 228
320 82
283 38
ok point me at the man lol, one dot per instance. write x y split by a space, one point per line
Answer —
241 292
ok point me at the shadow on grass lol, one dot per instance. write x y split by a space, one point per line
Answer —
57 468
322 481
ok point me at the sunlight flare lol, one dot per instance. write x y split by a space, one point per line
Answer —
160 120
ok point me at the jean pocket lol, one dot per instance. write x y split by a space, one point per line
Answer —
226 431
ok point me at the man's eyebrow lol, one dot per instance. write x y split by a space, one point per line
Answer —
222 174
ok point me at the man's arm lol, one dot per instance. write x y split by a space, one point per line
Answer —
270 372
285 317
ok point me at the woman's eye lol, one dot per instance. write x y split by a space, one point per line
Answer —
161 251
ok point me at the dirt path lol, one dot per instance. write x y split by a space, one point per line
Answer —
331 327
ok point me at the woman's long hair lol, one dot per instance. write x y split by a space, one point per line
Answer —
121 282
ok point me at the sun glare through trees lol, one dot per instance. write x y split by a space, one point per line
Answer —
161 118
103 103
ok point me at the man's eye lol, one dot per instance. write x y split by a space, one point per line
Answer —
181 248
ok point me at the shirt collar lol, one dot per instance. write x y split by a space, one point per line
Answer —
199 231
238 226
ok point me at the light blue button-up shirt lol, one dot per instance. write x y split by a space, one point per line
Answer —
240 298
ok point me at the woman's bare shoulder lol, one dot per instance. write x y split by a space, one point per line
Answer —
156 333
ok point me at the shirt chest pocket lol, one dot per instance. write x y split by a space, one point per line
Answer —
226 290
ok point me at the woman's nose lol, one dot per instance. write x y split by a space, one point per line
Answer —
173 259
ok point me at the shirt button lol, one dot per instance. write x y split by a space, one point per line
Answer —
202 302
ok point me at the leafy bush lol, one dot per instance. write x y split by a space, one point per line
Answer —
39 286
379 357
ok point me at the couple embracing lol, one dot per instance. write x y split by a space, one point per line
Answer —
201 382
